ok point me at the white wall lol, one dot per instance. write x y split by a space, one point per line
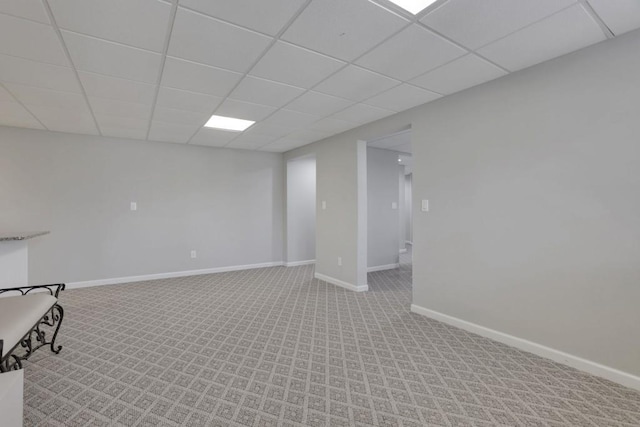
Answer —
533 180
225 204
382 222
301 209
402 209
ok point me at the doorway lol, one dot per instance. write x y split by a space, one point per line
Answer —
301 211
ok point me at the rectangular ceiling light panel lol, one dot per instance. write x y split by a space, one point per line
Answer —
228 123
413 6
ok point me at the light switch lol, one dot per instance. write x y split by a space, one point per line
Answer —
394 205
134 206
425 206
324 205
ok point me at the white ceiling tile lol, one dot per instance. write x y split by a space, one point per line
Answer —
206 40
30 40
186 100
6 96
38 74
288 118
410 53
59 120
619 15
139 23
402 98
124 133
332 126
265 92
244 110
362 113
564 32
250 140
47 97
356 84
213 137
474 23
14 114
125 90
29 9
465 72
318 104
112 59
271 130
171 132
107 121
117 108
199 78
264 16
172 115
347 28
282 145
297 66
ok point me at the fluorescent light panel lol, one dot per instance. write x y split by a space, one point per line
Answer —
228 123
413 6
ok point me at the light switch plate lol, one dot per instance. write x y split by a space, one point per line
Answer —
394 205
324 205
134 206
425 206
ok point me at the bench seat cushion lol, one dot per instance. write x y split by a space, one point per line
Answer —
18 314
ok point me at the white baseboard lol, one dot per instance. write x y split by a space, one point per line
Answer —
408 242
298 263
340 283
129 279
403 251
615 375
382 267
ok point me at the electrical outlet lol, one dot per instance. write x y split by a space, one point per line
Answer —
194 254
339 260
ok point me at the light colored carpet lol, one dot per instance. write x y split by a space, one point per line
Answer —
274 347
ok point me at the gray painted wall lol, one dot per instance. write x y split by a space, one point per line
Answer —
382 222
533 185
301 209
408 211
225 204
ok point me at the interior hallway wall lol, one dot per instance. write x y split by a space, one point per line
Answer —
225 204
383 221
408 211
301 210
532 180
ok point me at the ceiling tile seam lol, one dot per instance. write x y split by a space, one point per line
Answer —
163 60
603 25
461 46
22 104
117 43
274 40
73 67
527 26
25 18
346 64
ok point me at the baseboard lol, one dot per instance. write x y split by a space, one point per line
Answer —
612 374
142 278
382 267
408 242
298 263
341 283
403 251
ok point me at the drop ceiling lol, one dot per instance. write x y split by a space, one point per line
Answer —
302 69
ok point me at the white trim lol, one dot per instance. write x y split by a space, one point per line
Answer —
341 283
408 242
297 263
612 374
382 267
129 279
403 251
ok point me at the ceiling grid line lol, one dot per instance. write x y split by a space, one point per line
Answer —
605 28
22 104
274 40
55 27
163 60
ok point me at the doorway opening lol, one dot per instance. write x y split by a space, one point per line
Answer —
301 211
389 233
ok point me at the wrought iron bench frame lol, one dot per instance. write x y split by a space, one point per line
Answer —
51 318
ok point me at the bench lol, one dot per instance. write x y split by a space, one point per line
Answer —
26 315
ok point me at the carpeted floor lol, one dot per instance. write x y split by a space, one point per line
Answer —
274 347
